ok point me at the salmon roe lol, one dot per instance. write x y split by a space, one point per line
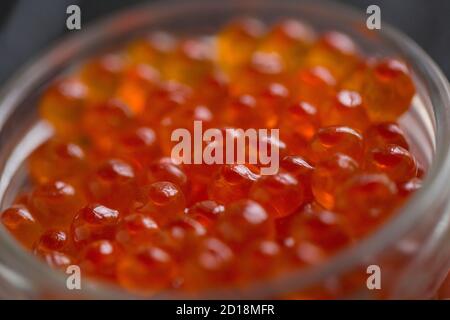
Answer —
107 196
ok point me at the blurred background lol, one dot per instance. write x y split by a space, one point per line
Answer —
29 26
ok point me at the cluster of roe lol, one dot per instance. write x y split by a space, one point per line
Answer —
107 196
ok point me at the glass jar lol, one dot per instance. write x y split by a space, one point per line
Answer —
412 249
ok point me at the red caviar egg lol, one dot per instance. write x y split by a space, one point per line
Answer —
136 85
336 139
165 202
312 159
113 184
100 258
152 49
19 221
243 222
315 85
213 261
206 212
245 33
62 105
335 51
381 134
57 159
329 175
357 192
150 269
299 123
55 203
232 183
53 247
394 161
347 109
137 229
94 222
388 90
291 39
102 75
317 226
281 194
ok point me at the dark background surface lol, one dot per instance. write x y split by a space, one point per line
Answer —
28 26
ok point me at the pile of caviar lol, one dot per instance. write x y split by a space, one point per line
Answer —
107 197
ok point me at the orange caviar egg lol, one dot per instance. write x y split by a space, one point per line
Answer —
139 146
319 227
57 159
113 184
357 192
165 202
297 166
136 85
241 112
150 269
388 90
312 159
395 161
244 221
281 194
265 253
382 134
299 123
215 87
104 122
266 66
302 170
205 212
290 39
164 169
136 229
244 33
183 118
53 247
53 240
355 80
19 221
346 110
315 86
232 183
94 222
271 101
167 97
100 258
152 49
102 75
181 235
335 51
55 203
190 62
62 105
212 264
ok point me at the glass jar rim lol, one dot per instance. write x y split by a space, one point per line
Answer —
436 180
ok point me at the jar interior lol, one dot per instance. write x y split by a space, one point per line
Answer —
23 132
